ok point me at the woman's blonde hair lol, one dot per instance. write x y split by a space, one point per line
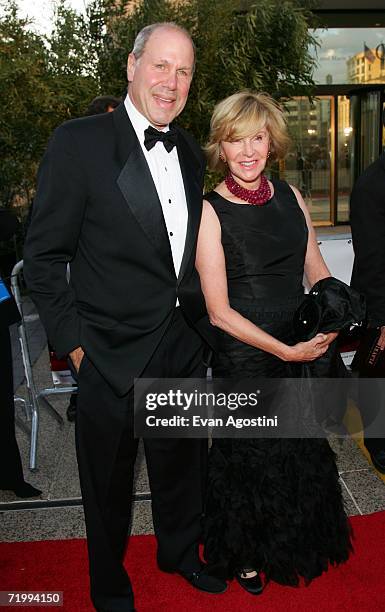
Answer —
244 114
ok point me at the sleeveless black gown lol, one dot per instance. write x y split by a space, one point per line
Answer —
274 505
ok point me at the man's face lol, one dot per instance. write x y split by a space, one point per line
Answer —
160 79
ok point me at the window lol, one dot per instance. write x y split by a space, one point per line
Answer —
341 54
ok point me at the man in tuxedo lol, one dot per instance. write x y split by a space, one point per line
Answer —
367 218
119 202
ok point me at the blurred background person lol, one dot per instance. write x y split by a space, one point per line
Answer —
102 104
367 219
11 469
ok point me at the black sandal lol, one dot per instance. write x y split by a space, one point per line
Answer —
252 585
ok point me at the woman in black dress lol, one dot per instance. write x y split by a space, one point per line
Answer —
273 505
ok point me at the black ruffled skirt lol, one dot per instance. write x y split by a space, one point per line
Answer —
274 505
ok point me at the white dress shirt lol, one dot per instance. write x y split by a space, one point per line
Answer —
167 176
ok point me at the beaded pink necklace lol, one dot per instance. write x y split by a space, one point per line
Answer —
256 197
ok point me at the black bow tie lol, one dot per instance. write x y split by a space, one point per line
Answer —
152 136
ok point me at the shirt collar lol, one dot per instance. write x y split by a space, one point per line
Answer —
139 121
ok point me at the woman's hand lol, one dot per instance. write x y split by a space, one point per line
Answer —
312 349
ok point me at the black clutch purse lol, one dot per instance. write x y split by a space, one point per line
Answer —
331 305
306 320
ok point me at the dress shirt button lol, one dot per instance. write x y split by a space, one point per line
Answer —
169 201
171 234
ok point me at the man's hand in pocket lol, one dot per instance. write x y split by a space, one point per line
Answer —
76 357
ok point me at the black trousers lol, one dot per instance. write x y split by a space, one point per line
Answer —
106 451
371 401
11 470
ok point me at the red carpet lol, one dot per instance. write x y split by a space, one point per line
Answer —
61 565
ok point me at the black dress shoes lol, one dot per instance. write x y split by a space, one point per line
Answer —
252 585
378 460
22 489
200 579
204 582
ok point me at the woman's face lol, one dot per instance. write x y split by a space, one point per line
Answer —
247 158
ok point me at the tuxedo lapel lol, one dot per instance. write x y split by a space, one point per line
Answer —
137 186
190 169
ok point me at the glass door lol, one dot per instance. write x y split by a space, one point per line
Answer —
366 109
370 133
344 159
310 162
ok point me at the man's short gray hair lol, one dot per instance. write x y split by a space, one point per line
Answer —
145 33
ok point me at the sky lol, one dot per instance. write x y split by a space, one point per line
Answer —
337 44
41 11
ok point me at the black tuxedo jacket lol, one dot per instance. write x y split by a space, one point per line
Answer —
367 218
97 208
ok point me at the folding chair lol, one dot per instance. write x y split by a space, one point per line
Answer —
35 397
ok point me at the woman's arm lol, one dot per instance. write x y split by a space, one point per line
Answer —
210 263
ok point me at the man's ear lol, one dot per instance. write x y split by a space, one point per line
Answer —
131 63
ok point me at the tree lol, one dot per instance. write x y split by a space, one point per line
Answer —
44 80
25 100
263 45
264 48
260 45
73 63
